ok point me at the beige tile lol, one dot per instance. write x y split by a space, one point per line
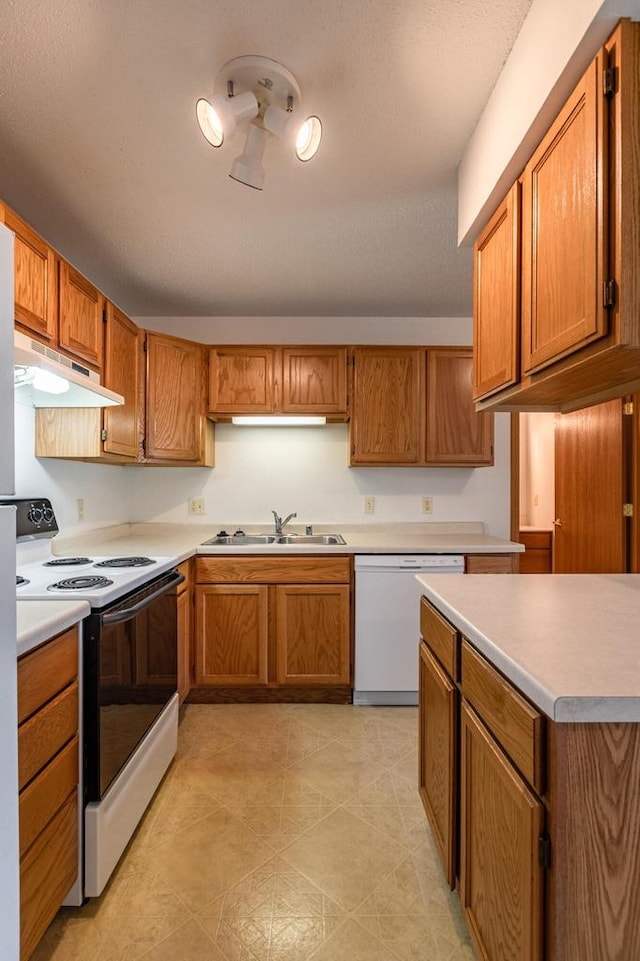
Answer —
408 890
205 859
344 857
235 772
189 943
274 913
352 942
71 939
135 936
338 770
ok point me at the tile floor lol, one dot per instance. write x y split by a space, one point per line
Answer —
280 833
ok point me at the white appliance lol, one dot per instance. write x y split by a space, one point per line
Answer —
9 853
388 623
129 722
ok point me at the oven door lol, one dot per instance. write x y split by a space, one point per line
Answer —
130 675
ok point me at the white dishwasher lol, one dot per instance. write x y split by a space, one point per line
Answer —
388 623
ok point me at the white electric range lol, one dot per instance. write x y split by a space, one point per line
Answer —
128 680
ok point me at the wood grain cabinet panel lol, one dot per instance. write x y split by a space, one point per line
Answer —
501 881
46 732
314 380
496 304
387 416
563 230
491 563
45 672
35 280
241 380
456 434
123 342
438 727
176 428
231 634
80 325
313 639
185 630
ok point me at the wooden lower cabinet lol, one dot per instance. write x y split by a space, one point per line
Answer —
501 880
185 630
537 556
48 750
491 564
270 628
438 698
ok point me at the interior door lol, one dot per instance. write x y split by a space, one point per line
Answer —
590 488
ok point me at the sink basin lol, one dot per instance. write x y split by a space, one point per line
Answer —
246 540
241 540
311 539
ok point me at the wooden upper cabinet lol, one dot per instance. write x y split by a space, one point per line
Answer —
314 380
456 434
387 414
175 423
496 299
35 280
241 380
80 316
278 380
122 374
563 243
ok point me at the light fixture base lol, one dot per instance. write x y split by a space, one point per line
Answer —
267 79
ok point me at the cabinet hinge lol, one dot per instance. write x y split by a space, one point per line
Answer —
627 510
544 851
103 434
609 82
609 294
627 408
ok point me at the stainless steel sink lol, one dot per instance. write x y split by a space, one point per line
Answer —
311 539
247 540
241 540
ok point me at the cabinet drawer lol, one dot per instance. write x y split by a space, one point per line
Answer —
441 637
42 736
267 569
515 723
47 793
490 564
536 540
47 871
43 673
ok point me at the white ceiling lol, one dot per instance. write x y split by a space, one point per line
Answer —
100 151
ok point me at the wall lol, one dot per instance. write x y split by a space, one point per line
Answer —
537 458
284 469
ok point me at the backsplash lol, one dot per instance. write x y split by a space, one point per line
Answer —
260 469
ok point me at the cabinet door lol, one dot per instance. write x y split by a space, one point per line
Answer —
122 374
314 380
456 435
80 316
231 634
564 233
241 380
35 281
496 299
313 634
387 420
438 731
184 644
174 409
500 877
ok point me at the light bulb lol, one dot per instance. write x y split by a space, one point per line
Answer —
210 123
48 382
308 139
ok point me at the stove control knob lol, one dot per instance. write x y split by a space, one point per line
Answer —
239 533
47 513
35 514
222 534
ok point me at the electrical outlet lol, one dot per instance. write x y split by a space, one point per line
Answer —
196 505
369 504
80 508
427 505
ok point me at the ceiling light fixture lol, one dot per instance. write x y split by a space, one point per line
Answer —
262 97
269 420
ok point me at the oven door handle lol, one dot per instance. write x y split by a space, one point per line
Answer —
128 612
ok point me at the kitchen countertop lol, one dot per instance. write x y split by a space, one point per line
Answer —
39 621
569 642
184 540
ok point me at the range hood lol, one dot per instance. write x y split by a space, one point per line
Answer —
45 378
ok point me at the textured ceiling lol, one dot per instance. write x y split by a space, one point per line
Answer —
100 151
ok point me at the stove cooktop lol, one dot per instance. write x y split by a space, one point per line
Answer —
85 578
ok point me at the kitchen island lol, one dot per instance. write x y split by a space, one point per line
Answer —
530 705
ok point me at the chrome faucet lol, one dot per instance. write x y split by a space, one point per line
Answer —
281 524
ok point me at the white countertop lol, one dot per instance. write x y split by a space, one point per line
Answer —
184 540
569 642
39 621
